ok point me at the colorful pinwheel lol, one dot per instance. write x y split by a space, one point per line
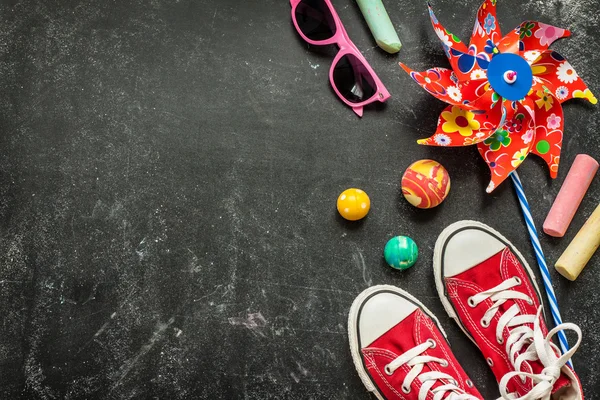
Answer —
504 93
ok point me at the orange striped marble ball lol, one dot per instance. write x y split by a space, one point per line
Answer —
425 184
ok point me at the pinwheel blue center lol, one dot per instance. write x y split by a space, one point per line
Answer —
505 65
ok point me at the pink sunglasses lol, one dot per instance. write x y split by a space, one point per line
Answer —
350 75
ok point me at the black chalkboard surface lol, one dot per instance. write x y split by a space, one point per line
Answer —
168 177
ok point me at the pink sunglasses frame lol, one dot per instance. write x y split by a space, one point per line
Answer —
346 46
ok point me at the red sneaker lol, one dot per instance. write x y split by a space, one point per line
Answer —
488 288
401 352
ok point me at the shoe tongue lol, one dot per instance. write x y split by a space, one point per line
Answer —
481 276
399 341
561 382
487 273
402 337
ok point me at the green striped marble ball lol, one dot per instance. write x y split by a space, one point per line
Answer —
401 252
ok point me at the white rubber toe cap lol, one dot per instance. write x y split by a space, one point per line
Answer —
467 244
380 313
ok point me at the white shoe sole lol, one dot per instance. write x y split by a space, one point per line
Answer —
353 329
437 265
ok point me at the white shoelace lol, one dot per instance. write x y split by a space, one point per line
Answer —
538 347
414 358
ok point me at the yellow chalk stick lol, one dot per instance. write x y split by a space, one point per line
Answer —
581 249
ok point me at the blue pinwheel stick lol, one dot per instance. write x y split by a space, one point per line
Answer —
541 261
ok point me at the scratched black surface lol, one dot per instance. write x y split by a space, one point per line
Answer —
168 176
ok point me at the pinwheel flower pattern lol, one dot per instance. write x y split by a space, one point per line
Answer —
504 93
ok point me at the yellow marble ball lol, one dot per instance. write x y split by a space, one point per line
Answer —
353 204
425 184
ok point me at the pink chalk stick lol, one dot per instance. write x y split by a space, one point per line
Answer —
571 193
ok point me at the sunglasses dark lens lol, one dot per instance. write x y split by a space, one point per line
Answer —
315 20
352 79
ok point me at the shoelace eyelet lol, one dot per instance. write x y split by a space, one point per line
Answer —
471 302
445 363
432 343
530 302
387 370
469 383
500 340
485 323
490 362
519 281
405 389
